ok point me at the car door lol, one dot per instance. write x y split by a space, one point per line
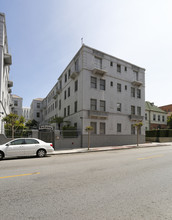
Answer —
31 146
15 148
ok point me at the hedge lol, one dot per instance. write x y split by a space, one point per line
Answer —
159 133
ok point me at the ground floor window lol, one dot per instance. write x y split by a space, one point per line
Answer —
102 128
132 129
94 126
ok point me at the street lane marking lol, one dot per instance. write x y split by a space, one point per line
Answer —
26 174
150 157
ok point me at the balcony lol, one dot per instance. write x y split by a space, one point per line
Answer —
97 114
9 90
74 74
7 59
100 72
58 91
10 83
136 117
137 83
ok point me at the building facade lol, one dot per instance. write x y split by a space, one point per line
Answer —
5 83
167 108
26 113
36 110
102 91
155 118
17 107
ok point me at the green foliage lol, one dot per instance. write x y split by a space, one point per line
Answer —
89 128
159 133
32 124
58 120
14 123
169 121
70 132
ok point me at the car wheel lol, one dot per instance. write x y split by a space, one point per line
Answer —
1 155
41 153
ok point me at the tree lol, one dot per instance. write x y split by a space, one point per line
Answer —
138 126
169 121
32 124
89 129
58 120
14 122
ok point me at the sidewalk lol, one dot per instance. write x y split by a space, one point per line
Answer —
109 148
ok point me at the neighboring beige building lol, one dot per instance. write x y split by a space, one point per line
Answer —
5 83
17 105
155 118
100 90
36 110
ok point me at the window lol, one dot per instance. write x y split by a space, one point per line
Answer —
65 94
93 104
75 125
38 105
136 75
77 65
102 106
68 110
68 91
15 103
66 77
31 141
93 82
60 104
158 117
125 87
76 85
64 112
56 103
163 118
75 106
98 62
60 84
119 107
118 127
139 111
118 87
111 63
132 92
111 83
133 110
154 117
118 68
102 84
138 93
132 129
37 114
146 116
102 128
94 126
69 72
125 68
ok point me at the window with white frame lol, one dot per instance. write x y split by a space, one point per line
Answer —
138 110
102 128
119 107
154 117
93 82
118 87
133 112
93 104
102 106
102 84
98 62
94 126
139 93
118 68
119 127
132 92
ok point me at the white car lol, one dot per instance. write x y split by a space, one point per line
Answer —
25 147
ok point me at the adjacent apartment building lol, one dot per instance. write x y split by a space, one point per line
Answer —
5 83
102 91
36 110
155 118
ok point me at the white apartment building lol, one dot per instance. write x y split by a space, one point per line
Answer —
17 107
36 110
5 83
102 91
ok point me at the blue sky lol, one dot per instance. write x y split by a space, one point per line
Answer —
44 35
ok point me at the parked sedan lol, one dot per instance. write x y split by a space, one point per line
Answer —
25 147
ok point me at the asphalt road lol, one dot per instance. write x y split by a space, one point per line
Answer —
132 184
